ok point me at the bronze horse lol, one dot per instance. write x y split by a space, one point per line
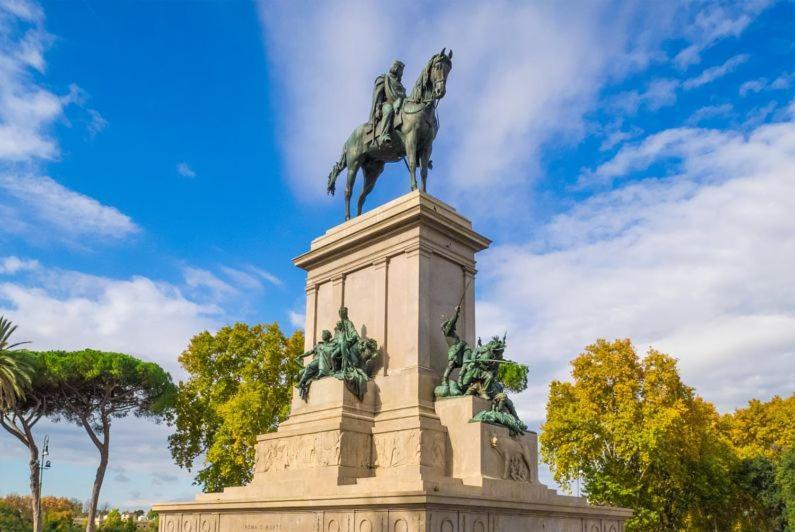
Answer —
416 127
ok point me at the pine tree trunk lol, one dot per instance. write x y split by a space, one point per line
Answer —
33 463
103 447
92 508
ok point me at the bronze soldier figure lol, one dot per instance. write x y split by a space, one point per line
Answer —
388 96
322 363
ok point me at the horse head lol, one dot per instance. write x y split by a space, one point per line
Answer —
432 83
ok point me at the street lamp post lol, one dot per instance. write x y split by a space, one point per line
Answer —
43 464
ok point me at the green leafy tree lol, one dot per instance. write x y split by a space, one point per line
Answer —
762 428
20 419
763 434
758 495
785 479
154 520
513 376
15 375
96 387
114 522
240 385
639 438
13 518
60 513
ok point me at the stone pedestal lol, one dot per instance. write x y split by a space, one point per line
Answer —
397 460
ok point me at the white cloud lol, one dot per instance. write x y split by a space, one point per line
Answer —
96 123
713 22
754 85
61 309
658 94
265 275
711 74
783 81
29 11
204 279
697 264
297 319
32 204
26 109
229 282
11 265
250 277
184 170
523 75
709 112
58 309
42 202
138 452
685 143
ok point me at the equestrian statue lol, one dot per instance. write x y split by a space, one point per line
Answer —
399 127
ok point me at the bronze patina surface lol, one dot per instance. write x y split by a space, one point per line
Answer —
399 127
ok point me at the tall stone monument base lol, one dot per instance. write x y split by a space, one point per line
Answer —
398 460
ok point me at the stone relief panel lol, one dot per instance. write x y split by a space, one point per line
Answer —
517 457
405 521
208 523
170 523
368 521
443 521
393 449
189 523
337 521
434 449
469 522
594 525
308 451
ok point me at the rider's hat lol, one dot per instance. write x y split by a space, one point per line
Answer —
398 62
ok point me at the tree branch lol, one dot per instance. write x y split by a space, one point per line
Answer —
91 432
11 427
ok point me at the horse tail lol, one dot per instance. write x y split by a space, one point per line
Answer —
339 166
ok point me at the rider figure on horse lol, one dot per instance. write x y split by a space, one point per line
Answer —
388 96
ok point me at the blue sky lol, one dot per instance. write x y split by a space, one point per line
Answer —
161 163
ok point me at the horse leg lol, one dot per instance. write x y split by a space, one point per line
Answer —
352 169
425 158
411 158
371 173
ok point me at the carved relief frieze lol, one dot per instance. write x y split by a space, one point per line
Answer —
307 451
398 448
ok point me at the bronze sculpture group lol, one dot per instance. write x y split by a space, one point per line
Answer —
402 126
399 127
350 358
478 375
345 355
